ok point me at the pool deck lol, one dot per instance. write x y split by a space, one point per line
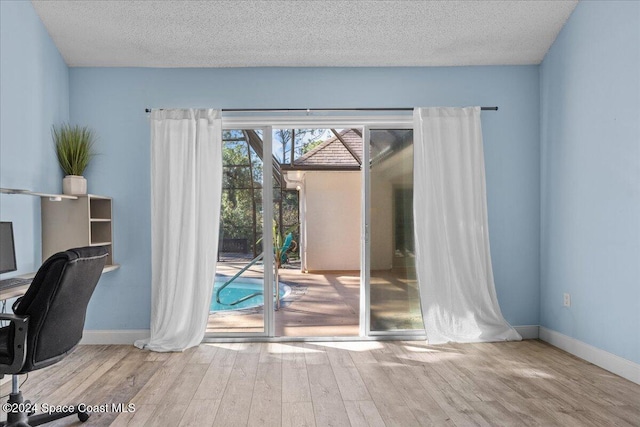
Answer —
321 304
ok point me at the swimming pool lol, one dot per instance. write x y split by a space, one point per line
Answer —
239 288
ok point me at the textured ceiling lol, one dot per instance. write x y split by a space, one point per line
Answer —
302 33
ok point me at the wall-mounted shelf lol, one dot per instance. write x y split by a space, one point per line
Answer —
52 197
78 221
85 221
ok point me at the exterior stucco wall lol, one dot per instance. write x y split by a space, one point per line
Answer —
332 220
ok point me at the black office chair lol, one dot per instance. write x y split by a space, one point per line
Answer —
47 324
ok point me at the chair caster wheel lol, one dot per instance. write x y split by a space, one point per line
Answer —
83 416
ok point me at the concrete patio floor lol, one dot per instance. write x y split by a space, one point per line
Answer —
324 304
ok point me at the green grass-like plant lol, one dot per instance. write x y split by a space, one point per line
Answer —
74 147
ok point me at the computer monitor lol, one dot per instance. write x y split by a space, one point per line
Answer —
7 248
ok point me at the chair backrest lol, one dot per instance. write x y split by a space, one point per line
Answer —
56 303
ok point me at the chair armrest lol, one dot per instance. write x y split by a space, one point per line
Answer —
16 303
20 327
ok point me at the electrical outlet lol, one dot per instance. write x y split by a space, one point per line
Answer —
567 300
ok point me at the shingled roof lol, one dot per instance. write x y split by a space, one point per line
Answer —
341 151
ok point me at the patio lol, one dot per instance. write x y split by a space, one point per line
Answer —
325 303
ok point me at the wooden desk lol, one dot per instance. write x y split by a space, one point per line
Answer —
17 291
20 290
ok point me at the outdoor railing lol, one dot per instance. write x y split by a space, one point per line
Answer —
228 282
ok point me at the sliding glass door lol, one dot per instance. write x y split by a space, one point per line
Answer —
238 300
317 217
394 298
316 233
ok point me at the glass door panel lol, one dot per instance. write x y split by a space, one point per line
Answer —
237 303
394 296
310 190
317 213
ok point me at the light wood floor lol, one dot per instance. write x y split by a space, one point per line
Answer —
525 383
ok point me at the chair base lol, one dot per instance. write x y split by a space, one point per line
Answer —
22 419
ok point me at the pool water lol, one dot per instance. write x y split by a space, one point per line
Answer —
240 288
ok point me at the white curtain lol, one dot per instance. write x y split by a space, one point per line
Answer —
453 260
186 187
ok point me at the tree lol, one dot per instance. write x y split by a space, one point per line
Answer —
305 140
240 214
241 210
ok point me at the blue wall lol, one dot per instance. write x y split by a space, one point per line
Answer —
112 101
38 90
562 157
590 211
34 82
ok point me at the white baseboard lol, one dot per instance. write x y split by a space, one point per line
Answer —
128 336
528 332
122 336
609 361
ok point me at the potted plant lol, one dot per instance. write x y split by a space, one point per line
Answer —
282 242
74 149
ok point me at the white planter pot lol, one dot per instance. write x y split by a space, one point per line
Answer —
74 185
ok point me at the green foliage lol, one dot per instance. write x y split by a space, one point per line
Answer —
74 147
237 214
289 207
304 149
242 190
281 243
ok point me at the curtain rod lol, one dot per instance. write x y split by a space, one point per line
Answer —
309 110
